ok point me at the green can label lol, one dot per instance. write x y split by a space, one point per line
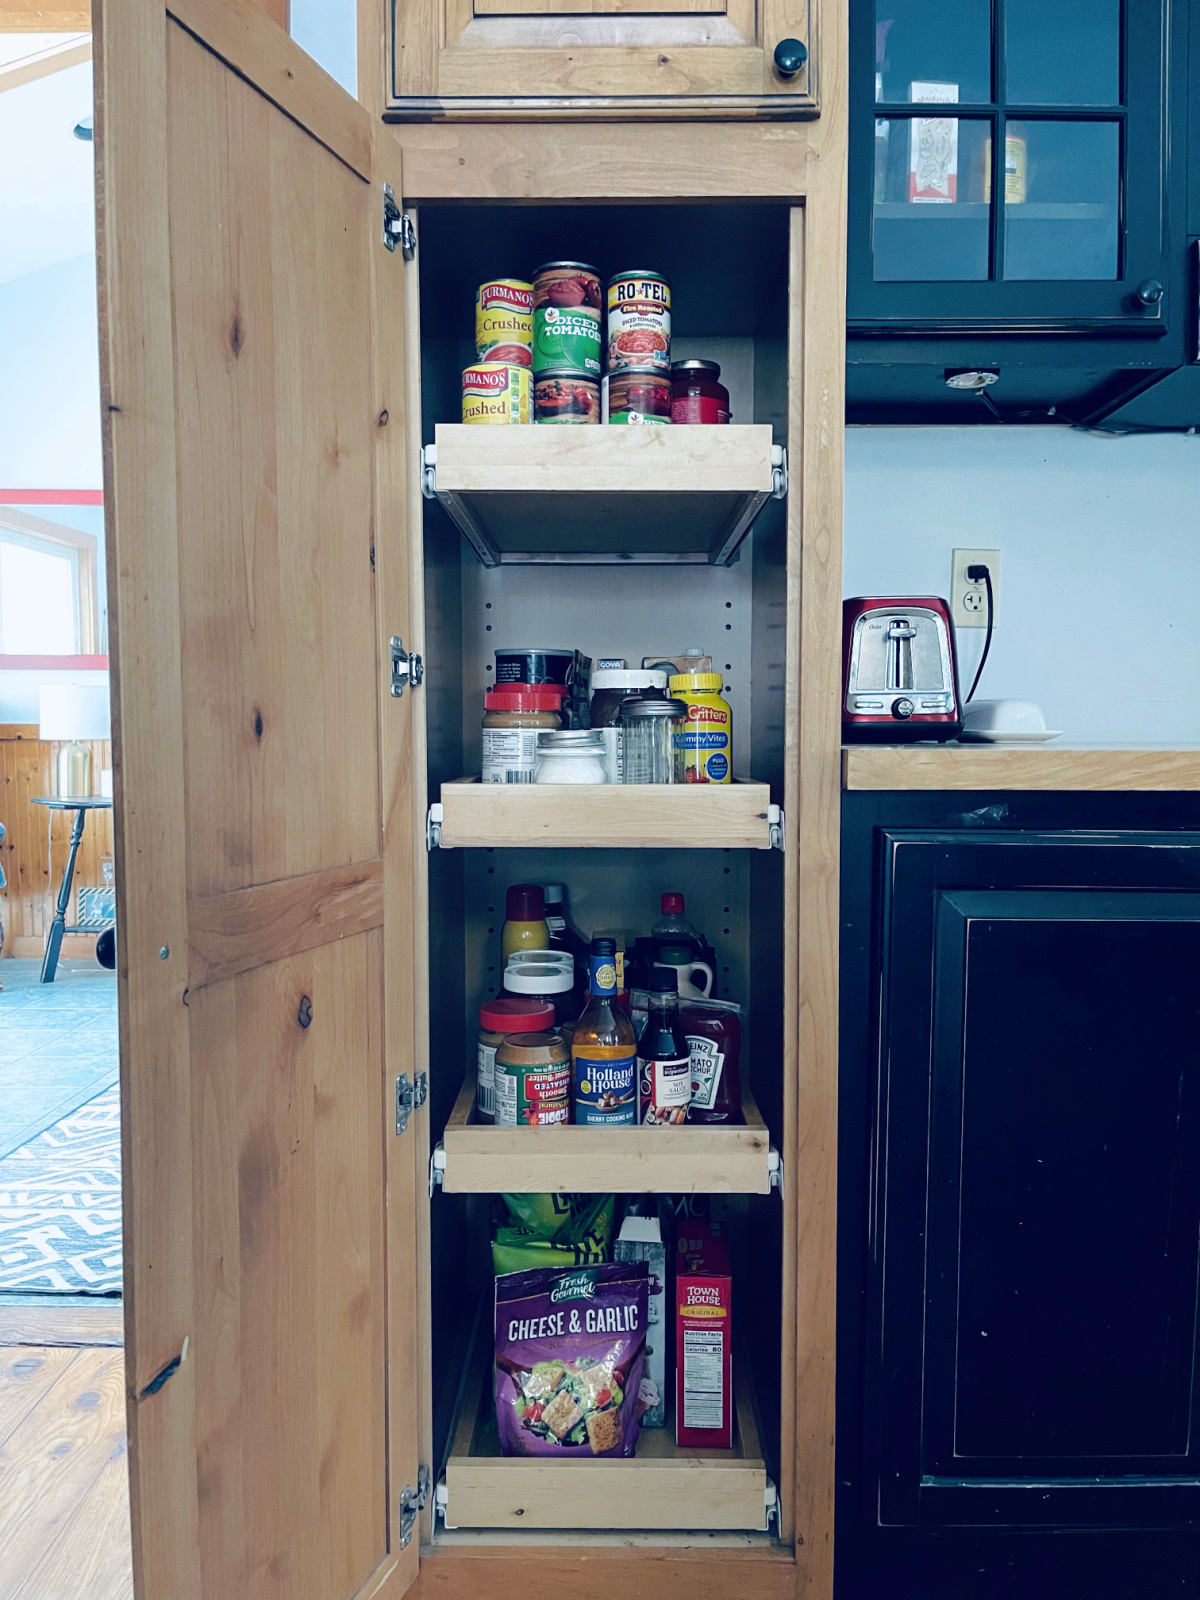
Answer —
566 337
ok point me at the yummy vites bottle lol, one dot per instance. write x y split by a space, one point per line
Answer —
708 729
664 1056
604 1048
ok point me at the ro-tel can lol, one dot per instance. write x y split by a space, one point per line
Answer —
504 321
566 318
707 732
533 1080
566 396
637 395
495 391
639 321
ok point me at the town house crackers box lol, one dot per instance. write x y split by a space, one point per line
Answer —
703 1336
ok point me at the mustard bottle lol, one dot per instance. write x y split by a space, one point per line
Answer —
707 734
525 925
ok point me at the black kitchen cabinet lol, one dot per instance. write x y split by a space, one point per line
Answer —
1019 1212
1018 204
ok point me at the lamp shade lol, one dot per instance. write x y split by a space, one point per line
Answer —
73 711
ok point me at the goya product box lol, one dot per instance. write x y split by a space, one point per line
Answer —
641 1239
703 1336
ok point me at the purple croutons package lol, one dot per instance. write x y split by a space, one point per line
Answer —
569 1353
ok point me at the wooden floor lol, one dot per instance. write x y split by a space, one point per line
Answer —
64 1515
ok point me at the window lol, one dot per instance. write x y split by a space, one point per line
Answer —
48 601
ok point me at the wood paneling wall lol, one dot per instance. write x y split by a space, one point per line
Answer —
26 764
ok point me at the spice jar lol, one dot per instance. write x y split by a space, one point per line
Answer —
610 687
497 1019
576 756
513 717
649 743
551 986
533 1080
696 396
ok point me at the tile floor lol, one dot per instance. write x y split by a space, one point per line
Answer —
60 1135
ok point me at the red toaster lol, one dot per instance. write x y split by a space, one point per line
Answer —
899 670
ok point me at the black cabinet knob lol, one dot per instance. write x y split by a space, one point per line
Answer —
1150 291
790 56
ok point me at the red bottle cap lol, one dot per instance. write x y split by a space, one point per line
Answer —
526 697
516 1016
672 903
525 902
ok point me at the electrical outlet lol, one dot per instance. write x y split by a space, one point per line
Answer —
968 599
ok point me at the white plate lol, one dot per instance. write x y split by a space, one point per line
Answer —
1014 736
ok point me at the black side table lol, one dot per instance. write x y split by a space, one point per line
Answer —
80 805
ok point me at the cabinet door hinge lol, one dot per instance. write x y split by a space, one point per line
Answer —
397 226
406 668
433 826
775 826
410 1097
411 1501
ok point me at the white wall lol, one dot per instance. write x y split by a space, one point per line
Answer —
1099 540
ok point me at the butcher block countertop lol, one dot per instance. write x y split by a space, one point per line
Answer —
1048 766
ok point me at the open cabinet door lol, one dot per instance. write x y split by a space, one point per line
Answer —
252 353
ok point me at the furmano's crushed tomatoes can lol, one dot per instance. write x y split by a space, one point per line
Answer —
504 321
495 391
639 321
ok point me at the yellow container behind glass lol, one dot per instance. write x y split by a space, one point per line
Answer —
707 735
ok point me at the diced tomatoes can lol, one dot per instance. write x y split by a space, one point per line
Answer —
637 395
566 396
495 392
566 318
504 321
639 321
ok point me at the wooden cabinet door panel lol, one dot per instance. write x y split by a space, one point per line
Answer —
598 59
253 391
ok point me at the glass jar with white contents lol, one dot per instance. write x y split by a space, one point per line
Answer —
648 741
573 756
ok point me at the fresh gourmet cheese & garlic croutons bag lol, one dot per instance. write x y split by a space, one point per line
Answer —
569 1353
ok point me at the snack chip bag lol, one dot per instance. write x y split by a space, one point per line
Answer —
570 1347
551 1230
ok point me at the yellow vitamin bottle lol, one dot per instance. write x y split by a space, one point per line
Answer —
708 731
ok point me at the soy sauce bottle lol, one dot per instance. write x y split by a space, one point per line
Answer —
664 1059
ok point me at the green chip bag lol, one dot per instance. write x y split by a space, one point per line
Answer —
553 1230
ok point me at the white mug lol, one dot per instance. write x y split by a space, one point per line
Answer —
687 990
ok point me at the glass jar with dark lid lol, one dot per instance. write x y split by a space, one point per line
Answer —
696 396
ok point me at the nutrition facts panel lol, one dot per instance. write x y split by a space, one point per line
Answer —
703 1369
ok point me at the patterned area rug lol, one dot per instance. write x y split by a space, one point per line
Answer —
60 1205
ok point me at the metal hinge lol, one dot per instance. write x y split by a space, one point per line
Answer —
779 472
406 668
397 225
410 1097
775 1169
429 472
775 822
433 826
411 1501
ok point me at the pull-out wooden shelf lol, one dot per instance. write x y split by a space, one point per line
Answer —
662 1487
1021 766
479 1158
617 816
604 495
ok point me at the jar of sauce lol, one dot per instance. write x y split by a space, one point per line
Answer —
714 1037
696 396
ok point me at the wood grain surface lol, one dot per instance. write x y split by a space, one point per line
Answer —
1048 766
89 1320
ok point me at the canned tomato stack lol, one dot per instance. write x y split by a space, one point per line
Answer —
566 343
497 387
638 386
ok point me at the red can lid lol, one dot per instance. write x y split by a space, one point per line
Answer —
671 903
516 1016
526 697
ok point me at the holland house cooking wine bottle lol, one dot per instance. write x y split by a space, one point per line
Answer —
604 1048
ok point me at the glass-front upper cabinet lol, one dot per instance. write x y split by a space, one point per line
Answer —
1008 165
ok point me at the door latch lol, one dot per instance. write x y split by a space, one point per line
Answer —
397 226
406 668
410 1097
411 1501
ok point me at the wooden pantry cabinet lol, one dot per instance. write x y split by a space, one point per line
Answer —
307 875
